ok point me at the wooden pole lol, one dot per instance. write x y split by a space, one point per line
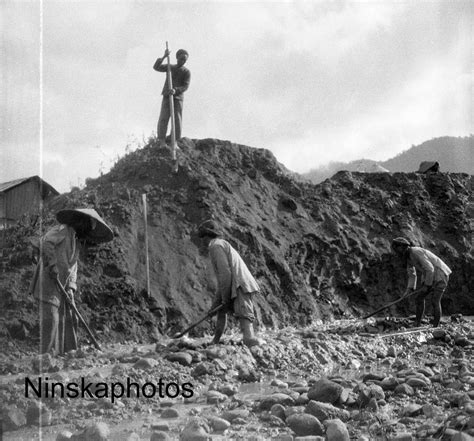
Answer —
147 261
173 123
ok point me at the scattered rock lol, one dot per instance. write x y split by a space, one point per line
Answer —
417 382
183 358
412 409
279 383
279 398
401 437
279 411
228 389
367 392
231 415
145 363
204 368
392 351
439 334
248 375
336 430
325 391
218 424
325 411
160 427
195 430
94 432
404 389
64 435
304 424
13 419
389 383
170 413
214 397
159 436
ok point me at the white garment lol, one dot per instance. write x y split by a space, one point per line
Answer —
432 268
233 267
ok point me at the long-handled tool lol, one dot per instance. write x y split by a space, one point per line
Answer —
391 304
78 315
208 315
173 122
147 259
393 334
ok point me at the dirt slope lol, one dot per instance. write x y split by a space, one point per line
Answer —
318 251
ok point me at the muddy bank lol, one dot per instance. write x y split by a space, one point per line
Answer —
347 380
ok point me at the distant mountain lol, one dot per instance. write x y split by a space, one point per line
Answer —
454 155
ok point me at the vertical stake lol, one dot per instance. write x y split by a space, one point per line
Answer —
147 261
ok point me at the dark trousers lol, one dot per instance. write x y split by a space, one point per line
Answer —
436 292
58 328
165 117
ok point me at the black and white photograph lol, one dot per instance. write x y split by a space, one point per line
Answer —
237 220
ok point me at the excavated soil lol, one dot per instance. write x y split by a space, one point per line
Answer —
318 251
321 254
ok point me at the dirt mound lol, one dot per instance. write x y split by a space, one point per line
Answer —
318 251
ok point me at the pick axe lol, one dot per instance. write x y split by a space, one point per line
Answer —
391 303
78 315
207 316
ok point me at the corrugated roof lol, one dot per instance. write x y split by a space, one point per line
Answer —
4 186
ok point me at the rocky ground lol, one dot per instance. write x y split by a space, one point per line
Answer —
349 379
321 255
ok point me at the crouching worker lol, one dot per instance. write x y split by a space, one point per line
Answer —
434 276
58 258
235 285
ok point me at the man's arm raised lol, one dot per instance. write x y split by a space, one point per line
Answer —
158 66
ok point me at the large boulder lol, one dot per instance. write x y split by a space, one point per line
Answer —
304 424
336 430
326 391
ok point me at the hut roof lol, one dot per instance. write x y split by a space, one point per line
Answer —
5 186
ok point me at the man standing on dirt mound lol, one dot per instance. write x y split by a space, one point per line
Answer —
181 78
434 276
59 254
235 284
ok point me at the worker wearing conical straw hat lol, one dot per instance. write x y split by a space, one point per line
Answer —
58 259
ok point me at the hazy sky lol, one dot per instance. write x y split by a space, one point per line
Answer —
313 81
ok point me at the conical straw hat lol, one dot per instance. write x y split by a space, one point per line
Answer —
101 233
